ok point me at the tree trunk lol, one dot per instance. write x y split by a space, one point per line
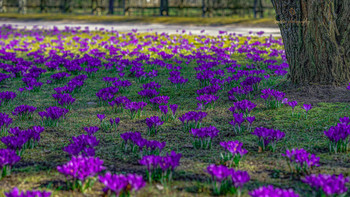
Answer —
316 36
2 6
164 7
96 7
67 6
111 7
43 5
22 6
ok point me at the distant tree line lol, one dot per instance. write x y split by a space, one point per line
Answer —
205 8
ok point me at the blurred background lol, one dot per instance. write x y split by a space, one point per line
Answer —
176 8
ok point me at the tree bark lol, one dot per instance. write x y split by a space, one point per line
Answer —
164 7
96 7
67 6
22 6
111 7
316 36
43 4
2 7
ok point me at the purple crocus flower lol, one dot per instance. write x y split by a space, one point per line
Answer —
293 104
222 177
271 191
338 137
307 107
91 130
8 158
82 145
239 178
250 119
166 163
285 101
218 173
153 124
163 109
121 184
173 108
200 106
302 161
101 117
268 137
344 120
35 193
329 184
24 111
81 169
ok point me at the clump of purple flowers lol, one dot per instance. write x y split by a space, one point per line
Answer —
104 125
226 180
192 119
159 100
106 94
338 138
203 137
135 108
122 85
233 153
153 124
80 172
328 185
273 98
268 137
173 109
207 100
35 193
82 145
161 167
32 84
212 90
300 161
244 107
73 86
151 85
7 97
177 79
240 93
271 191
164 112
114 122
91 130
134 142
60 77
148 93
3 77
119 103
51 115
5 122
24 112
8 158
121 185
237 123
65 100
22 139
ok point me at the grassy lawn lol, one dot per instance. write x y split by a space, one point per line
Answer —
37 167
216 21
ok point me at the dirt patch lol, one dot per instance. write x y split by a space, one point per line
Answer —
313 94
